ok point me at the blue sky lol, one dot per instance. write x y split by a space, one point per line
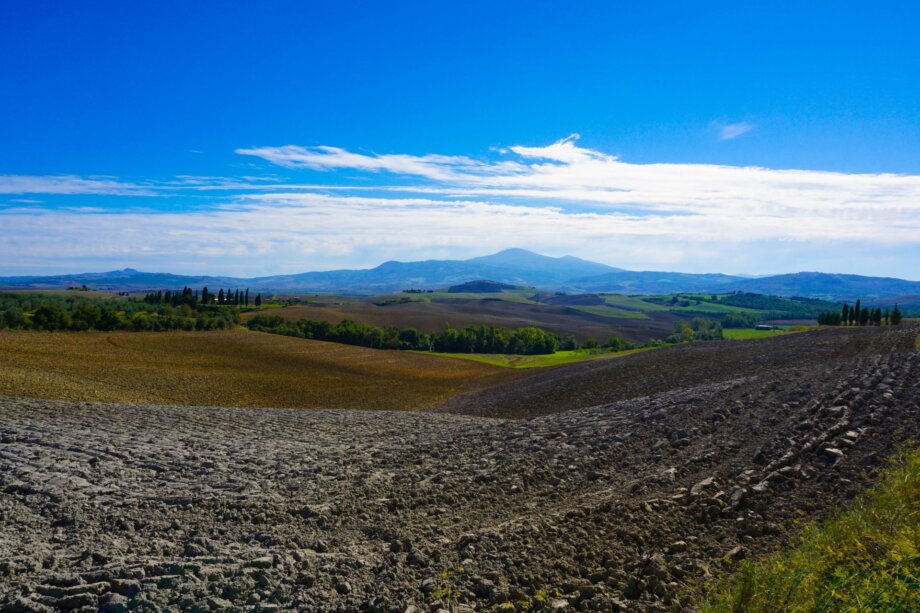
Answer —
288 136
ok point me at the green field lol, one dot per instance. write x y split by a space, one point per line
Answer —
538 361
710 308
750 333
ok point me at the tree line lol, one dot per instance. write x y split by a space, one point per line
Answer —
858 315
79 313
230 297
698 329
471 339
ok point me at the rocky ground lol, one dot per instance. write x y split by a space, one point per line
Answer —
630 505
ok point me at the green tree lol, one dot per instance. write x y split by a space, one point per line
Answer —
51 317
876 316
258 300
12 317
616 343
895 316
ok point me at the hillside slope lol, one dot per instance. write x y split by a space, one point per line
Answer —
623 505
669 368
233 368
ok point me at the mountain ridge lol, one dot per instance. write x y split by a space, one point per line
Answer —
511 266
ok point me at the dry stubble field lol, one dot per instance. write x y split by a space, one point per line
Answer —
234 369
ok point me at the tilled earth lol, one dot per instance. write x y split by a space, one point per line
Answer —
553 390
631 505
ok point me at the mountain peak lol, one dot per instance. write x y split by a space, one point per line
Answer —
517 251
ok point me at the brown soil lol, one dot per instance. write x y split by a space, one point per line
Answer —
629 505
603 381
238 368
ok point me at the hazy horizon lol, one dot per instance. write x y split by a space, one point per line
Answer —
193 273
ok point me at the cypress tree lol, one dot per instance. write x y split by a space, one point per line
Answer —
845 313
895 316
205 296
858 312
258 300
220 296
864 316
246 298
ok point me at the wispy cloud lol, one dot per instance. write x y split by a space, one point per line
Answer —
560 198
432 166
731 131
69 184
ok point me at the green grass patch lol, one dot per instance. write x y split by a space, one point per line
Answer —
745 334
537 361
864 559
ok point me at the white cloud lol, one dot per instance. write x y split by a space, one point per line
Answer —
731 131
784 204
560 198
437 167
69 184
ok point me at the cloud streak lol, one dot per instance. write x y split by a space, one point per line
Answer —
70 185
559 198
731 131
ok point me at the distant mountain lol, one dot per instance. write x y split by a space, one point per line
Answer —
517 267
652 282
828 286
512 266
127 279
528 264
